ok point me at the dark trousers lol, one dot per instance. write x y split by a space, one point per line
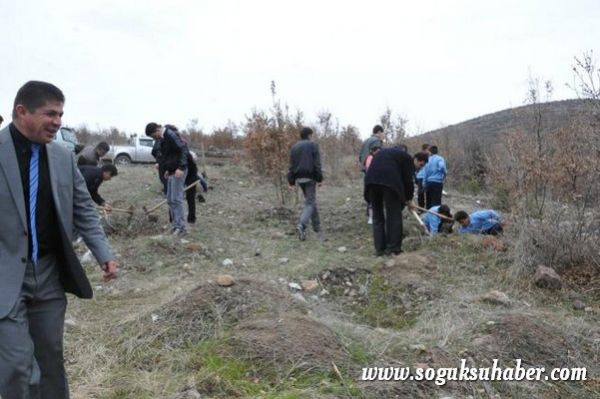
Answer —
420 193
163 179
190 197
433 194
31 337
494 230
310 211
387 219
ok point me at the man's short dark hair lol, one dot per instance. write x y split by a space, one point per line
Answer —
103 146
151 128
110 168
425 147
461 215
305 132
377 129
421 156
444 210
433 149
403 147
35 94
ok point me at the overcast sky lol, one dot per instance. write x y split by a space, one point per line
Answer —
125 63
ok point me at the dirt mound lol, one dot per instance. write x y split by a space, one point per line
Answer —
520 336
208 308
585 278
287 341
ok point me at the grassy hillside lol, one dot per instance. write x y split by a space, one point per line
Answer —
165 329
490 127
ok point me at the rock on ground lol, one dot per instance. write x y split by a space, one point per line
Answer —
225 280
495 297
546 277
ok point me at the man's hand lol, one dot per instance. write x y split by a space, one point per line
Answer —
411 205
291 187
156 166
178 173
107 208
319 184
109 270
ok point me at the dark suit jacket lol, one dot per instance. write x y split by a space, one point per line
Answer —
74 211
393 168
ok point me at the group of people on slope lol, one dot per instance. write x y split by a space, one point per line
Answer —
389 174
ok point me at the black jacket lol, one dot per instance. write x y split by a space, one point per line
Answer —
174 151
393 168
93 179
305 162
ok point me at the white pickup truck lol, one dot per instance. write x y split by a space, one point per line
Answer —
66 137
138 150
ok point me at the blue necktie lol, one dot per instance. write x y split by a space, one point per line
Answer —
34 163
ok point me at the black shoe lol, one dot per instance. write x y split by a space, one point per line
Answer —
379 253
301 230
201 198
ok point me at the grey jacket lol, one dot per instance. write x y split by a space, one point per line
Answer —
74 211
366 147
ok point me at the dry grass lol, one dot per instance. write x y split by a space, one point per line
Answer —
256 340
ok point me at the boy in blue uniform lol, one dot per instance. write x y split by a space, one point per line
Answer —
435 224
487 221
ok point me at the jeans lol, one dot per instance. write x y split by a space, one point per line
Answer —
310 211
175 200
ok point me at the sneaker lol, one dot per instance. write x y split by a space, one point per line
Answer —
179 233
320 236
301 232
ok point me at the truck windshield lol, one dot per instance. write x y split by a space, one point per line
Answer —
69 136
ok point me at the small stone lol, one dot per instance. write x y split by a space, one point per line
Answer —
299 297
295 286
191 394
154 317
227 262
588 309
224 280
578 305
310 285
284 260
278 235
390 263
342 249
184 241
220 250
159 264
418 347
194 247
490 323
257 252
495 297
422 366
546 277
324 292
70 324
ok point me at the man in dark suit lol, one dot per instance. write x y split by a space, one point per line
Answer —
389 187
43 199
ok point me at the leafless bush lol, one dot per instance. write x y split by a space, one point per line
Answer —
337 143
269 136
